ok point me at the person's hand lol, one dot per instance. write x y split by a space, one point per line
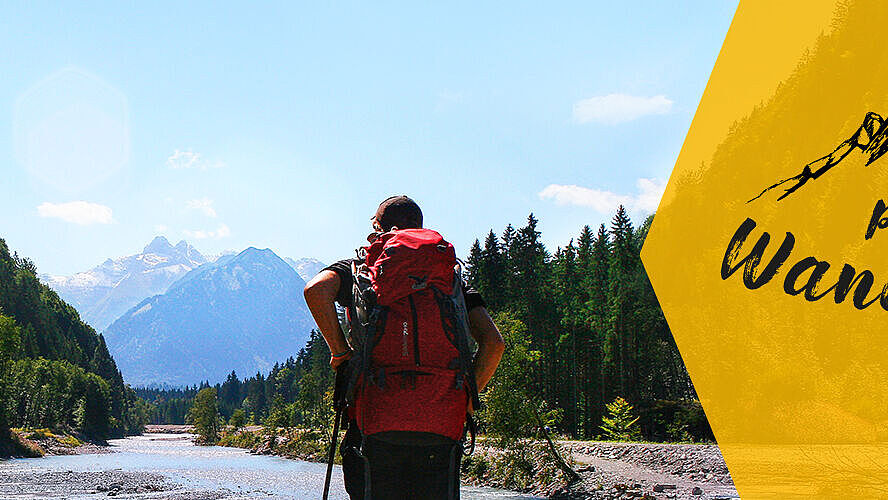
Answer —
335 361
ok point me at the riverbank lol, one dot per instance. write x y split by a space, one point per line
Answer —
35 443
168 467
169 429
611 470
607 470
66 484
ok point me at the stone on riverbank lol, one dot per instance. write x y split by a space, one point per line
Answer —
51 484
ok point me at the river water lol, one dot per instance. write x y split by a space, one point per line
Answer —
220 472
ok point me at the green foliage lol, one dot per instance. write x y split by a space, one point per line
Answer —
52 364
241 439
57 394
513 411
71 441
39 434
204 415
238 419
591 314
10 339
676 421
620 424
523 468
510 405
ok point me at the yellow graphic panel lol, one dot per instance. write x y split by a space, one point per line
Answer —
769 251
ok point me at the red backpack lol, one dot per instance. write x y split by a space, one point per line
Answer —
412 369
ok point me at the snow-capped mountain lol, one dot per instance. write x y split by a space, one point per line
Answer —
243 312
306 267
106 291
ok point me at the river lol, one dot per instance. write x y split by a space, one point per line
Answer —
170 466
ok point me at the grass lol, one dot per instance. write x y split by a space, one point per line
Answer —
38 433
69 440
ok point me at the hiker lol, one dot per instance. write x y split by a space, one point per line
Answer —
417 384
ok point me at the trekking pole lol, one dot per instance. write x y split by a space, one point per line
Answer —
338 405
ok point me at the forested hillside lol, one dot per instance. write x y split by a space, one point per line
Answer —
290 395
591 313
588 313
55 371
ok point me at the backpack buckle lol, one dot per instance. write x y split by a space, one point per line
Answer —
419 282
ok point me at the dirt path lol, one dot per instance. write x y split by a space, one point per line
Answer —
661 471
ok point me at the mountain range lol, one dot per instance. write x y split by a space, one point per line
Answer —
103 293
242 312
171 315
106 291
306 267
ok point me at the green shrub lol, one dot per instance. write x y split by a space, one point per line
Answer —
71 441
240 439
39 434
528 467
238 418
620 424
676 421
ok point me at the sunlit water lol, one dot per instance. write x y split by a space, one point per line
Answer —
213 468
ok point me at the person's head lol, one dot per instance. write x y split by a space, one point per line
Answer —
397 212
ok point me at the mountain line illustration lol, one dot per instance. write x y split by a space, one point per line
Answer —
871 138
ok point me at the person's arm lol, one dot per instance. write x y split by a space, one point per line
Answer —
320 295
490 345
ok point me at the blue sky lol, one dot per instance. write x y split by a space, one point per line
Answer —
284 125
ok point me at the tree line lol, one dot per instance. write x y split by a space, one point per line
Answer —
293 394
591 312
55 371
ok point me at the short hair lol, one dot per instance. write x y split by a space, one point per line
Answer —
398 211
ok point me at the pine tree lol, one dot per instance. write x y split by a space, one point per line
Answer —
494 278
622 335
475 272
620 423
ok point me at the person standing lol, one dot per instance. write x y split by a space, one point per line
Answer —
403 431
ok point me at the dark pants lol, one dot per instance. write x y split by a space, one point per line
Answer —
400 471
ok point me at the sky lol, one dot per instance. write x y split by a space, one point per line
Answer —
283 125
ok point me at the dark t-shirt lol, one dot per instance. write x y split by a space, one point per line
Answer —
344 298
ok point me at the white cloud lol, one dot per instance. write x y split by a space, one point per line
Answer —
181 159
76 212
203 205
650 192
200 234
160 228
612 109
600 201
645 200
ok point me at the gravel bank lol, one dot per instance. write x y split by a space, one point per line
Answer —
52 446
169 429
55 484
648 471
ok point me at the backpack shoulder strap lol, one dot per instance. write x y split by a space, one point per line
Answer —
455 320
